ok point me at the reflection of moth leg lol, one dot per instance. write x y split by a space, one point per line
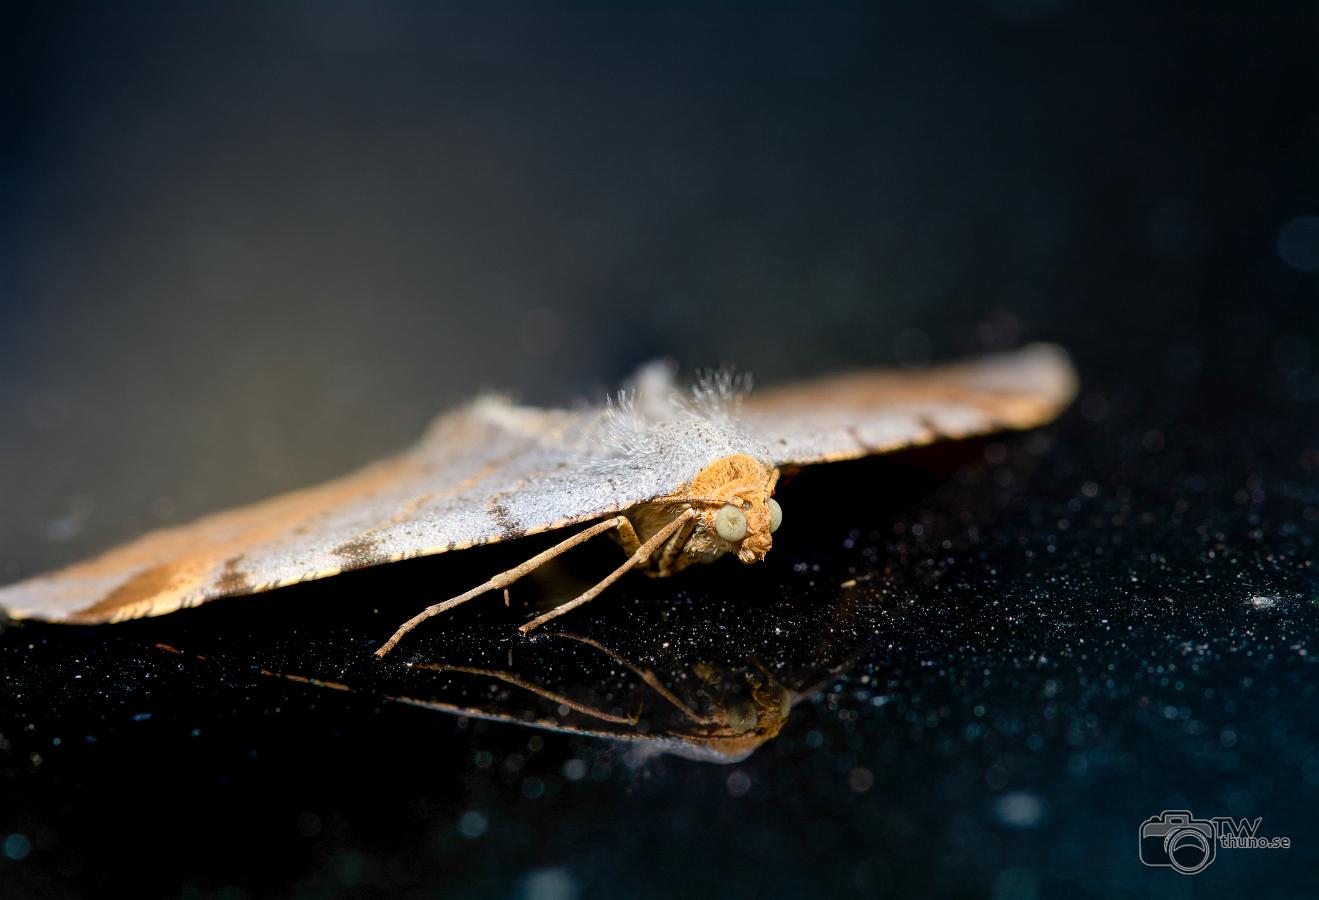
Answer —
504 579
645 675
648 677
561 699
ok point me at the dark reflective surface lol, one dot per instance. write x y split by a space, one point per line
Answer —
247 250
997 686
669 680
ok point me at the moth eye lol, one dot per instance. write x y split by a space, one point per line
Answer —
775 515
730 523
741 717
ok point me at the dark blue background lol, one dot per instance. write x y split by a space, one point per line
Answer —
246 248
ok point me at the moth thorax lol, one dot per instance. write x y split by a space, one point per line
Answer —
729 474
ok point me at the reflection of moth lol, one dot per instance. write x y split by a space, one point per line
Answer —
661 677
713 714
677 477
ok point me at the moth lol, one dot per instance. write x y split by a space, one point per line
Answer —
678 477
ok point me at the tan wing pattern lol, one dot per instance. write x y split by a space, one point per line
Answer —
863 413
484 473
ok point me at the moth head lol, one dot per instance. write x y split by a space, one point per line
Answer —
739 512
747 523
767 708
745 723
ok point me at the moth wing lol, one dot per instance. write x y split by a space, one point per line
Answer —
863 413
486 472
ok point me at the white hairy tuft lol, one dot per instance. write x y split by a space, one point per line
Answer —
720 392
657 428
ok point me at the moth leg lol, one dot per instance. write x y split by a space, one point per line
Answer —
638 558
504 579
672 548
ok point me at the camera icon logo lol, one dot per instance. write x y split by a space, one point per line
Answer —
1176 839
